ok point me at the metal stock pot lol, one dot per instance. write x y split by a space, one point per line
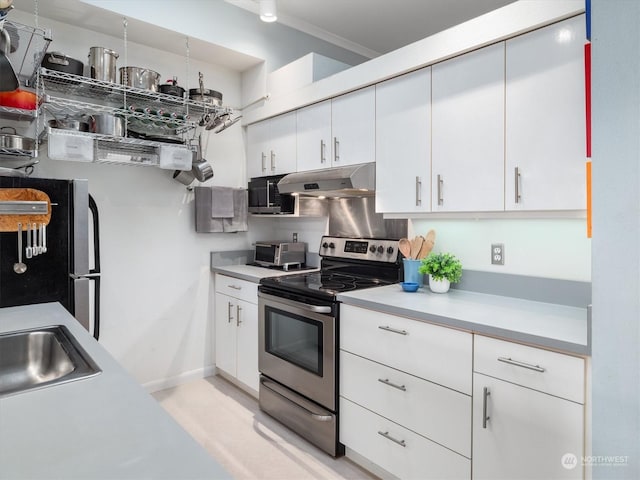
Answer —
137 77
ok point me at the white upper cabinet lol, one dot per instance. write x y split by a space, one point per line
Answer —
271 146
468 132
315 145
256 149
545 119
353 127
403 143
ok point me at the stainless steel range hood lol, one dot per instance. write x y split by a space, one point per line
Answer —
352 181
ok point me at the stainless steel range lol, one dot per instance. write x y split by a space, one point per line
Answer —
299 324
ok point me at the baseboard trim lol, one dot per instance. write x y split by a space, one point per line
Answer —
366 464
184 377
242 386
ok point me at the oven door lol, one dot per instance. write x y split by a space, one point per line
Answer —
297 347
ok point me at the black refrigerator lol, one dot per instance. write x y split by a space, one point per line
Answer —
69 271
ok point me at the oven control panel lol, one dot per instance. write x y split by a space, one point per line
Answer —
360 248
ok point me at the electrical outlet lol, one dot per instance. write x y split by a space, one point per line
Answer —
295 237
497 253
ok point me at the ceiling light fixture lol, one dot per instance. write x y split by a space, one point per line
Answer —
268 10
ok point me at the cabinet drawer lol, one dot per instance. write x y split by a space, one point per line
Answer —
550 372
438 354
438 413
399 451
237 288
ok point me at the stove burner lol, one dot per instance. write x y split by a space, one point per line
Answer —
329 282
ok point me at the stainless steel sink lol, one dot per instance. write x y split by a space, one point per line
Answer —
40 358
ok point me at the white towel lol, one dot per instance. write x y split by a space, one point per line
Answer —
222 202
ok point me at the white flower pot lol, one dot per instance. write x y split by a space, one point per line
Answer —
439 286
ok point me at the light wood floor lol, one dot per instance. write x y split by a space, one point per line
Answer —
248 443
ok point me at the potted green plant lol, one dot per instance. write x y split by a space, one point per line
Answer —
443 269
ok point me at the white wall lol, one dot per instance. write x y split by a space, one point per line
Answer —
221 23
156 281
550 248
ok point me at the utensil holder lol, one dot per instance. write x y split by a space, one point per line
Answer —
411 273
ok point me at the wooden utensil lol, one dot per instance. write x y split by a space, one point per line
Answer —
416 245
405 247
427 245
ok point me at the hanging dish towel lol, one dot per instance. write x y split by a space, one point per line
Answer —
204 207
238 223
222 202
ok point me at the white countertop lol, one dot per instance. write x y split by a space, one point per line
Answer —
251 273
101 427
541 324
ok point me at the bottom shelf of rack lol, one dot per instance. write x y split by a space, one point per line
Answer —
89 147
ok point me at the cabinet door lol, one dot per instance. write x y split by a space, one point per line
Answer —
545 119
281 144
315 148
528 434
257 162
468 132
353 127
246 315
225 333
403 143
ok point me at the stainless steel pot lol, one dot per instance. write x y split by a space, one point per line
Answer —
102 64
185 177
107 124
16 142
137 77
202 170
206 96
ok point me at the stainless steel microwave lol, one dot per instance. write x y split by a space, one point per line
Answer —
264 196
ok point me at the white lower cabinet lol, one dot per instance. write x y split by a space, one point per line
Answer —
405 394
433 411
236 330
522 428
424 401
396 449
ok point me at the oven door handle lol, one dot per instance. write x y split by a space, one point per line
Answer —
274 387
301 306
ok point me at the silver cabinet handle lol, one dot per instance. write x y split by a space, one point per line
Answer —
440 185
235 287
264 162
418 192
323 151
336 152
229 307
517 184
238 310
536 368
394 440
393 330
273 160
485 417
391 384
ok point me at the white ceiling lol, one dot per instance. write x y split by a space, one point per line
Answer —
375 27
